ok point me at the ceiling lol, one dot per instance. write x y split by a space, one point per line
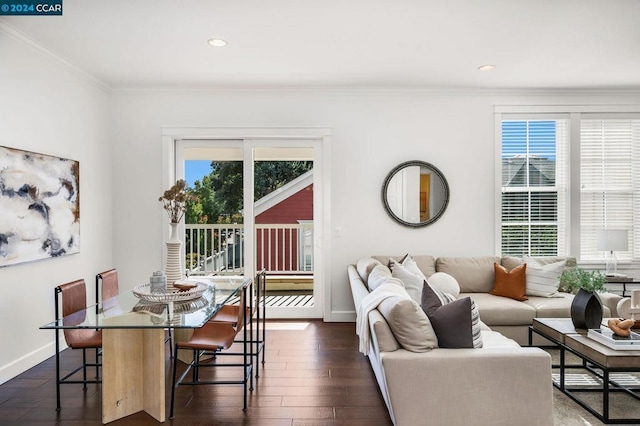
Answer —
535 44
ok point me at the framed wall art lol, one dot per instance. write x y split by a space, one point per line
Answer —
39 206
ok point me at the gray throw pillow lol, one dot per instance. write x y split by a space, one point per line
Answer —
455 322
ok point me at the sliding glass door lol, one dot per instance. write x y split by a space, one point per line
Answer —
255 210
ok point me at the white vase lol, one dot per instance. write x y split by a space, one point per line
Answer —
173 268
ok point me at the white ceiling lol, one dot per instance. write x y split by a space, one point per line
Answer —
550 44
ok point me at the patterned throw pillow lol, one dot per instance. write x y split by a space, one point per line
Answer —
456 322
510 284
543 280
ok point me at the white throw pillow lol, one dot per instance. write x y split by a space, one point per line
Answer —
445 283
411 276
377 276
543 280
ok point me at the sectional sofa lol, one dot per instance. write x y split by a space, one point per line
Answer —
503 383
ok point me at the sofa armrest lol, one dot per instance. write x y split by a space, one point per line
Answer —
358 288
611 300
492 386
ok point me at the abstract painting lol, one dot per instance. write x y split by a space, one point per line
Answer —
39 206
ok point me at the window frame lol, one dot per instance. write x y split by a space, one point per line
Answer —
574 113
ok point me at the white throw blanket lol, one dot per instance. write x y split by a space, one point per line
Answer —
370 302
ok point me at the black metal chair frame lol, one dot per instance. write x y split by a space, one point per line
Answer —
83 367
260 337
196 364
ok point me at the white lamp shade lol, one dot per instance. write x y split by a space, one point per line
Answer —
613 240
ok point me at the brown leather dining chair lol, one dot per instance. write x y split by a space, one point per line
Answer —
229 313
109 287
215 338
73 297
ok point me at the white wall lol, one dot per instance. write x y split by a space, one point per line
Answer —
372 131
49 108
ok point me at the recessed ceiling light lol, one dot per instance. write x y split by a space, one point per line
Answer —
217 42
487 67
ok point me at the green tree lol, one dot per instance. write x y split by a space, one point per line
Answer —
225 181
218 198
207 208
271 175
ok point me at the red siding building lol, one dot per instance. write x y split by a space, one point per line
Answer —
279 248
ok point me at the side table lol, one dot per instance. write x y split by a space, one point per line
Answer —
624 282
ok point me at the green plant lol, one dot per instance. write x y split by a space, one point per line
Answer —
573 280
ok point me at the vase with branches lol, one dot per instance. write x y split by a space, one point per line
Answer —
174 200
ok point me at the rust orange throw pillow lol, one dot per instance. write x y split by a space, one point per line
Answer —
510 284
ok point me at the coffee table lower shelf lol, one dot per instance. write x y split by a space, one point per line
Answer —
597 359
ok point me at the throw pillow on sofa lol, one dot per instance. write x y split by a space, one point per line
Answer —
378 275
408 322
543 280
408 272
511 284
445 283
456 322
364 267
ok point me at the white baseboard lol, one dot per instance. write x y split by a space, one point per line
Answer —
342 316
22 364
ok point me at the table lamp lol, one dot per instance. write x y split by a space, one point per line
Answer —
611 240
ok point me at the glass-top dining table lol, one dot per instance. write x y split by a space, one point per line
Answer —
133 339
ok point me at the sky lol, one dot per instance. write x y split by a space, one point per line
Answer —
195 169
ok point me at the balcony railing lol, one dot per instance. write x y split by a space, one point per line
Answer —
219 249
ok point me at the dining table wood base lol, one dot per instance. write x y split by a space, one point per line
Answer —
133 376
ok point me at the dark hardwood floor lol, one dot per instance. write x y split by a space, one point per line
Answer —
313 375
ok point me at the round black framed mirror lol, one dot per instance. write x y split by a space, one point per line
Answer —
415 193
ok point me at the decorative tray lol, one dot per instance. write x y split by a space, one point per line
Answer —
172 294
178 308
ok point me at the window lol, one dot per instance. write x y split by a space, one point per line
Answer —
533 187
538 207
609 183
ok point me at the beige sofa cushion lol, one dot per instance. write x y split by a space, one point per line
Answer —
511 262
409 324
426 263
474 274
493 339
384 338
557 307
497 310
551 307
364 267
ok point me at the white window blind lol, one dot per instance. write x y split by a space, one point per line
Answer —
534 187
609 184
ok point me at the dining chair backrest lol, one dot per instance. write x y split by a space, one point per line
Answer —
74 297
74 300
242 312
109 281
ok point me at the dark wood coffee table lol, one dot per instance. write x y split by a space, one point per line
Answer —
598 359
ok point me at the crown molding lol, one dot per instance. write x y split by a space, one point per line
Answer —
23 38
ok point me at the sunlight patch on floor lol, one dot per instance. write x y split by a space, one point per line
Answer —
286 325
